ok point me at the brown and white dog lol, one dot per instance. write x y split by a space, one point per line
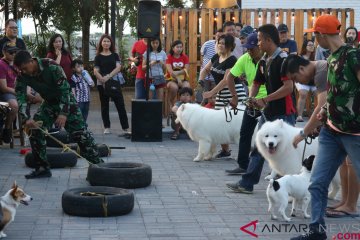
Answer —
9 202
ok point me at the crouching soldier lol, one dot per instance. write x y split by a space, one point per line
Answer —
59 107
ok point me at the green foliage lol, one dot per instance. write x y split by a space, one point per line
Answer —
175 4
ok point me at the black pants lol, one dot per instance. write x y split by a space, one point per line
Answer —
119 104
247 129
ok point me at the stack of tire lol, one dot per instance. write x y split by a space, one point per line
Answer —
108 195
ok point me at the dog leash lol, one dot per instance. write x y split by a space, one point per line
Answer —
236 110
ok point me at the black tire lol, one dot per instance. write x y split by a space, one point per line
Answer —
84 202
56 159
103 149
62 136
122 175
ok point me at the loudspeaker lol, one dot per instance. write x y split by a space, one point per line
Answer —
149 19
146 121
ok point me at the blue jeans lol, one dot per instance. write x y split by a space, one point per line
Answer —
84 108
247 130
140 91
253 172
332 150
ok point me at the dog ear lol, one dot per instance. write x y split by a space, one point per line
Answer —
14 185
281 122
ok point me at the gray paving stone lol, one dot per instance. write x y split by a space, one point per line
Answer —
186 200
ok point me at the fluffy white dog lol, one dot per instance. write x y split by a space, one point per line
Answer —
296 186
209 127
274 142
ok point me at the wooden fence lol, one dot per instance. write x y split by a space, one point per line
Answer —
195 26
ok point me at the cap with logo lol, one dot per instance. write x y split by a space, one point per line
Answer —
10 47
245 31
326 24
282 28
251 41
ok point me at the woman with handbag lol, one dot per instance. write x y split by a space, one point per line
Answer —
157 58
107 71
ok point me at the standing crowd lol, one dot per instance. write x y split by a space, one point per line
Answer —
263 64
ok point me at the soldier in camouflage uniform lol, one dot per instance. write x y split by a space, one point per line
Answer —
59 107
341 134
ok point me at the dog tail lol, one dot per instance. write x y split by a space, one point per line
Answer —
274 184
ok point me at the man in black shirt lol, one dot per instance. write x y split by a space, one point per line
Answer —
11 32
277 104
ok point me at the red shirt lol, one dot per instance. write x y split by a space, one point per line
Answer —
176 63
139 48
65 63
7 72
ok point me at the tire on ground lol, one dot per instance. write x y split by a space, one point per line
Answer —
62 136
55 157
120 174
97 201
103 149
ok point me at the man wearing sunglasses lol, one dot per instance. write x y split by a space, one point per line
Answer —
11 33
7 84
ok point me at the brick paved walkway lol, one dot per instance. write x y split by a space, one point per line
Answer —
186 200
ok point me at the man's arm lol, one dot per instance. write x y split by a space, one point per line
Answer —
4 88
21 93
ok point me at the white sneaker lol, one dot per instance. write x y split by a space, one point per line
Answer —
107 131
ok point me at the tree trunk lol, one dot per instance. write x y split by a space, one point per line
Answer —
6 9
85 40
68 40
15 9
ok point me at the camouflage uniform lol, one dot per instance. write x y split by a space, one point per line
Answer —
53 87
344 93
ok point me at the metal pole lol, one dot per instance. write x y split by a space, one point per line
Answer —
113 20
147 69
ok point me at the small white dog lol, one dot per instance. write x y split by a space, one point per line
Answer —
9 202
209 127
274 142
296 186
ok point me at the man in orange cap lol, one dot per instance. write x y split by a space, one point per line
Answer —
340 135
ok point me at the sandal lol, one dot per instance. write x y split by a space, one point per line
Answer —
174 136
340 214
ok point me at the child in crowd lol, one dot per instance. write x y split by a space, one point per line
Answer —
83 82
157 60
185 97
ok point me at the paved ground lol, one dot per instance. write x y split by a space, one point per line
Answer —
186 200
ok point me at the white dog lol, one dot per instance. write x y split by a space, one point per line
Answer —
296 186
9 202
274 142
209 127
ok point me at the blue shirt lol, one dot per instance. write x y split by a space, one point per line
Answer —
289 46
207 51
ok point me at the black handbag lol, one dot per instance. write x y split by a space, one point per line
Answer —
112 88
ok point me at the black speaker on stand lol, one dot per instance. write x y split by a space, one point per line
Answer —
146 118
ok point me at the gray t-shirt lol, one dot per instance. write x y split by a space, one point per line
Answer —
320 79
156 69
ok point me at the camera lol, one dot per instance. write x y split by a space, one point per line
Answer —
138 56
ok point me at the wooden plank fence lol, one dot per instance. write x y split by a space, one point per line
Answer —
195 26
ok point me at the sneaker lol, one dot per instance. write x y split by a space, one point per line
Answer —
299 119
237 188
223 154
236 171
107 131
311 235
7 135
44 173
